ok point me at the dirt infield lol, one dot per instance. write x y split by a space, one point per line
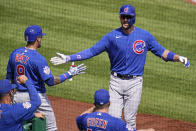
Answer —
66 112
191 1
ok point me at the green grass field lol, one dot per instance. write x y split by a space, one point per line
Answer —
169 89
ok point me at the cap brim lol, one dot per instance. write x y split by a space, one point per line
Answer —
43 34
126 14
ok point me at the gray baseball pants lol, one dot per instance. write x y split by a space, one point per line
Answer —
45 108
127 94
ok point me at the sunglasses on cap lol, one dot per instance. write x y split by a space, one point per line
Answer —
126 16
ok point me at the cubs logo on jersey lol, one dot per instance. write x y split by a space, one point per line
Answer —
139 46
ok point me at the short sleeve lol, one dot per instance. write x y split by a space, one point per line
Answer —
43 69
80 121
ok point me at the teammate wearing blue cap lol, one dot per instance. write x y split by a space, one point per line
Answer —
12 116
127 48
26 60
97 118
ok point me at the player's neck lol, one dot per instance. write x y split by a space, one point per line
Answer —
32 47
129 30
104 110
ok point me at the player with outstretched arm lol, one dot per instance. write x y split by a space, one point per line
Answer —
127 48
26 60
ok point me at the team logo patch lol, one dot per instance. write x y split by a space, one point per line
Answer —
126 10
139 46
46 70
26 105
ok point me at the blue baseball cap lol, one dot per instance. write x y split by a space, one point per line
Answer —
6 86
32 32
101 97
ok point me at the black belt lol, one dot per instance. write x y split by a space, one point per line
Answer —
21 90
123 77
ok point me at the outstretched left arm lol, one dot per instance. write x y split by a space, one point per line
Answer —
170 56
73 71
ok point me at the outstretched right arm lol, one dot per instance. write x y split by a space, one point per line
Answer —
96 49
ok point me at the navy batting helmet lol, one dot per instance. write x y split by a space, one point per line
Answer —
128 10
32 32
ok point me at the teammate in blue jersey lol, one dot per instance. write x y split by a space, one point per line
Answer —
26 60
127 48
12 116
97 118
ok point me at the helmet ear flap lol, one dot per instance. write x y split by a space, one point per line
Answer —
132 21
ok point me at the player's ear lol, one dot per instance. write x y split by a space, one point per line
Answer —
39 39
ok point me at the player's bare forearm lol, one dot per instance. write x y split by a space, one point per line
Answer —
176 58
57 80
170 56
90 110
165 55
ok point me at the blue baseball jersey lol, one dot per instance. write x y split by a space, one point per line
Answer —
99 121
32 64
127 53
12 116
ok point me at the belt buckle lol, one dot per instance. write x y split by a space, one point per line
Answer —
115 74
123 77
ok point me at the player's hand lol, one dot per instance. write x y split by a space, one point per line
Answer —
22 79
39 115
60 59
184 60
76 70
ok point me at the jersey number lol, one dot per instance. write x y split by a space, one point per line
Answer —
20 69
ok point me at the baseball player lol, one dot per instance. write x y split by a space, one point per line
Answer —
12 116
97 118
26 60
127 48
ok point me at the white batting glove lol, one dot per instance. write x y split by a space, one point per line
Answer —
77 70
60 59
184 60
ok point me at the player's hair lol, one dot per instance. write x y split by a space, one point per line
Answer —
98 107
30 42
